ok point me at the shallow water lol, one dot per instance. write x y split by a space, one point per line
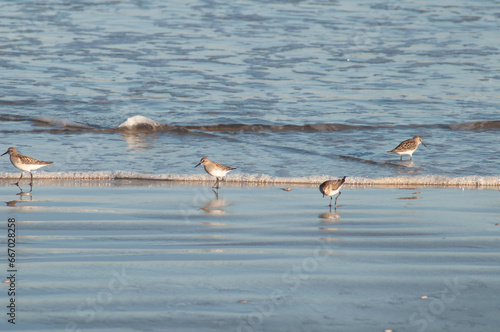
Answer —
287 89
132 255
130 236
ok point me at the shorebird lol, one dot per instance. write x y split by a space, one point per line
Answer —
331 187
25 163
408 147
215 169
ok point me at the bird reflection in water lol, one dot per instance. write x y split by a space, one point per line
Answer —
214 206
329 217
22 195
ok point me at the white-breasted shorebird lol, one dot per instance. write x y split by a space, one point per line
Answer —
408 147
25 163
331 187
215 169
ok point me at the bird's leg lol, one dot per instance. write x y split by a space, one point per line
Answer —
216 185
337 198
31 183
401 159
331 197
17 183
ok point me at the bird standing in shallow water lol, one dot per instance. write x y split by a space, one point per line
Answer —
330 188
215 169
408 147
25 163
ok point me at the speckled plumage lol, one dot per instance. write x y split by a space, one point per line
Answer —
25 163
331 187
408 147
215 169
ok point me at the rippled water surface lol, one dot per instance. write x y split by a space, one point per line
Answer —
161 256
288 88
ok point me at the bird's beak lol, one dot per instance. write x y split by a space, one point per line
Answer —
5 153
194 167
424 144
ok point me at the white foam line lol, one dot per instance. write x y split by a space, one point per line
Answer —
420 180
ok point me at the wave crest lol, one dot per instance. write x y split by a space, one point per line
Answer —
141 123
145 124
59 122
476 125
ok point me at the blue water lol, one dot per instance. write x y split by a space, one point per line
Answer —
286 89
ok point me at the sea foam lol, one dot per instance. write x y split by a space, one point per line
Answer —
139 122
244 178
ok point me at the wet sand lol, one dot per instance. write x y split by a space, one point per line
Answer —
165 256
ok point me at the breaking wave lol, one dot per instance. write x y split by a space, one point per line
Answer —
141 123
59 122
492 182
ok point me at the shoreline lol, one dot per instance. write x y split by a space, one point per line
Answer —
427 181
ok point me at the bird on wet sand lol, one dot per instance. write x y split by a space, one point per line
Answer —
25 163
331 187
408 147
215 169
